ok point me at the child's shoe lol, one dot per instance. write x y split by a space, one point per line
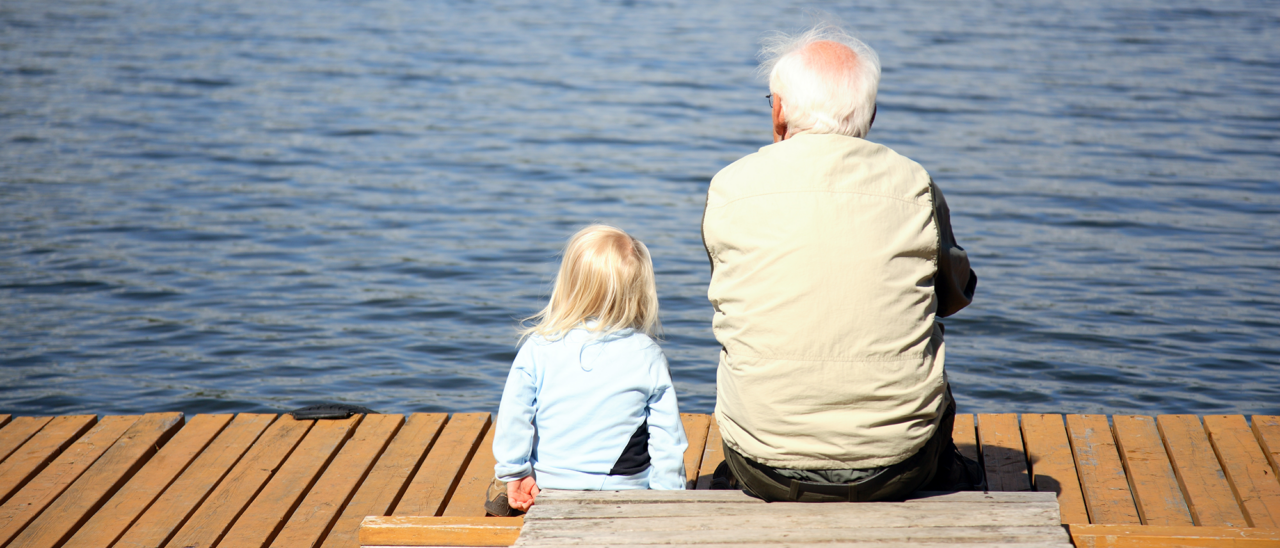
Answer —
496 502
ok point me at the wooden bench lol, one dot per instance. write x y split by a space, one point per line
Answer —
730 518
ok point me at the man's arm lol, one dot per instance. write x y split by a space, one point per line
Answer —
955 282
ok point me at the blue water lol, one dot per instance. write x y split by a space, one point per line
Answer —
236 206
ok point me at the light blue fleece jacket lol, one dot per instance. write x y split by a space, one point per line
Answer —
571 405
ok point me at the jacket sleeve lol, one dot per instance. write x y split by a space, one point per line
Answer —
955 282
667 441
513 441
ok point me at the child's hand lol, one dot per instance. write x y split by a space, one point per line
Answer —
521 492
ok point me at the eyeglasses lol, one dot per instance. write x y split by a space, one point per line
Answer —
770 98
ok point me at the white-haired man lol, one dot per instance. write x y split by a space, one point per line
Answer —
832 257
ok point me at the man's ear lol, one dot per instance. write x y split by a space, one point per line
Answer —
779 123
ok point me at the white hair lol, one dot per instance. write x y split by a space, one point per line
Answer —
822 99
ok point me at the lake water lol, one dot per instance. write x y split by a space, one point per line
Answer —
253 206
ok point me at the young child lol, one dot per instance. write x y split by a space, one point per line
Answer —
589 402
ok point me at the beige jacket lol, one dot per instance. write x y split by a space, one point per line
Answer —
825 251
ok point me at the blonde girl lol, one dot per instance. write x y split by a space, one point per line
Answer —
589 402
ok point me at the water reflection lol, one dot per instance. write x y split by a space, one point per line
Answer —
257 206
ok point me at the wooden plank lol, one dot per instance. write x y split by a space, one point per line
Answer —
169 512
110 521
895 514
29 459
437 479
695 522
271 508
1102 479
964 433
644 496
795 528
793 531
1204 486
1151 479
731 517
14 435
640 517
42 490
712 456
214 517
1052 465
312 519
79 500
1003 452
1248 472
884 538
468 499
1266 428
439 531
380 491
4 419
1154 536
695 430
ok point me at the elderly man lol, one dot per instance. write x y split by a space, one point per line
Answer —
832 258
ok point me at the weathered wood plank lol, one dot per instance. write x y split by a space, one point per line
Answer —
1042 537
271 508
597 533
712 455
387 480
468 498
437 479
439 531
965 435
14 435
1156 536
44 446
4 420
1151 479
73 506
1266 429
42 490
172 509
1003 452
644 496
793 522
1204 486
110 521
1102 478
324 502
1252 481
695 430
1052 465
215 516
895 514
851 542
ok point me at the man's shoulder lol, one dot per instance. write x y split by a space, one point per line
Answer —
788 165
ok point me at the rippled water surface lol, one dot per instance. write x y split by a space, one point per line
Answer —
254 206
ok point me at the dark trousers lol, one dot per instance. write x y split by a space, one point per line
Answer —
937 466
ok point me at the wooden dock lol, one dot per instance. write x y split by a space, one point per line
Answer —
264 480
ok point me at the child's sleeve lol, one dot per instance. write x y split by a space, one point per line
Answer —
513 442
667 441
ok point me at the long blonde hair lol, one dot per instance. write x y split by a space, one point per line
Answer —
606 276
